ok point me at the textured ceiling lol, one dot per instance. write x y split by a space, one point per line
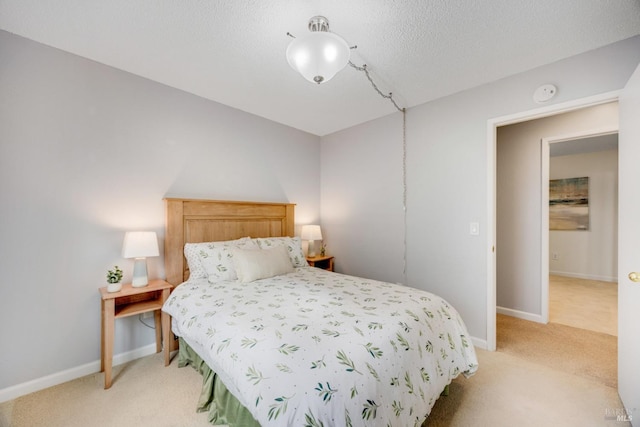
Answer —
233 51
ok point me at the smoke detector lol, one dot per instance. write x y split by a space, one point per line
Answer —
544 93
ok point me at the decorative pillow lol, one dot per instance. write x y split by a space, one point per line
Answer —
292 244
252 264
213 260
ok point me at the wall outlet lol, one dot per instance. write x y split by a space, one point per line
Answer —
555 256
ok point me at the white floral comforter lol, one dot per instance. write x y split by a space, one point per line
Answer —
314 348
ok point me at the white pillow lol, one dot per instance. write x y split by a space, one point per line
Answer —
252 264
292 244
212 260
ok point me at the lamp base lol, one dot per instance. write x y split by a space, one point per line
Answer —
311 250
139 279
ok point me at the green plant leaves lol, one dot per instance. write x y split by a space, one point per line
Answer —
375 352
325 392
280 407
288 349
370 410
344 360
254 375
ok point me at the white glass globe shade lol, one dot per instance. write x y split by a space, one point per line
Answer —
318 56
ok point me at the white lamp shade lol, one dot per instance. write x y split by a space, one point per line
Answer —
311 232
140 244
318 56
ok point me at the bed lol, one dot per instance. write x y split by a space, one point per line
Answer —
280 343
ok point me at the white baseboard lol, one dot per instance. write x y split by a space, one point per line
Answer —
480 343
520 314
38 384
584 276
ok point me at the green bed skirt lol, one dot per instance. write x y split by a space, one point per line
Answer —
223 407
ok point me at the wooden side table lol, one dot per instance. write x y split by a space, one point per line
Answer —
130 301
321 261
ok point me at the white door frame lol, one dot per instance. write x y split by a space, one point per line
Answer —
492 125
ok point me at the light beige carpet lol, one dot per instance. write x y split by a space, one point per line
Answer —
506 391
584 353
144 393
585 304
509 391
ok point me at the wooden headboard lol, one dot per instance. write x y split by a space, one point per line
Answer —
195 221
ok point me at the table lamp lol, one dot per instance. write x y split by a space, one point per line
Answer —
311 233
140 245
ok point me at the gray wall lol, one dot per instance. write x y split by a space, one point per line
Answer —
447 180
362 210
88 152
591 254
519 201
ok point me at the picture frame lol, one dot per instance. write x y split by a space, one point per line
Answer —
569 204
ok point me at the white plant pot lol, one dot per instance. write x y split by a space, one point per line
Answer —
114 287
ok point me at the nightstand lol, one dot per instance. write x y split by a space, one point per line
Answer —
130 301
321 261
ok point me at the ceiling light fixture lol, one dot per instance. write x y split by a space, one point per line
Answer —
318 56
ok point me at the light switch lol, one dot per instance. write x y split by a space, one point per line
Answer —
474 228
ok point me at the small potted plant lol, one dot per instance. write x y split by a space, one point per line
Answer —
114 279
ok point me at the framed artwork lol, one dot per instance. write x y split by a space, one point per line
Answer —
569 204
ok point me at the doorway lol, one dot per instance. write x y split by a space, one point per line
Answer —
582 263
529 304
523 170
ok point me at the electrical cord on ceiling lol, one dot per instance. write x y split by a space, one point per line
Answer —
404 158
366 72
